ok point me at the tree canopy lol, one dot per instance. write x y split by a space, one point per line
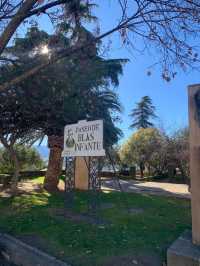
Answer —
29 159
63 93
143 113
140 145
158 153
171 28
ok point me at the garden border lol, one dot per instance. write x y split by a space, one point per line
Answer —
22 254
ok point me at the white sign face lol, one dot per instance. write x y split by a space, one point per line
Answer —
84 139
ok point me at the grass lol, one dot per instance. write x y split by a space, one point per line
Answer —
153 230
38 180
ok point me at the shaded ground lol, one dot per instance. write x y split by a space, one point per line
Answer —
23 188
138 230
152 188
144 259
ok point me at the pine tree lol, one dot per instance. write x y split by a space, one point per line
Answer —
143 113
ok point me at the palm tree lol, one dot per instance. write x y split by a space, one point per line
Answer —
106 106
143 113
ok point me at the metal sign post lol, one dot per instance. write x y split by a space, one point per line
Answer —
69 180
94 185
84 139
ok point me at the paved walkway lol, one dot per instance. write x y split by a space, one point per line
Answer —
153 188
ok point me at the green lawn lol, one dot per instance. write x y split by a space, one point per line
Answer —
81 243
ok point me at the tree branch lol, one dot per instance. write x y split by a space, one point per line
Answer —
42 9
59 55
39 10
15 22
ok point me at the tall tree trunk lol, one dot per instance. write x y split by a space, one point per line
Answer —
141 170
183 174
55 144
149 170
15 177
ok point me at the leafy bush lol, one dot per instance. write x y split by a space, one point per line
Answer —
159 154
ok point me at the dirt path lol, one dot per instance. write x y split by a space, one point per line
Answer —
23 187
153 188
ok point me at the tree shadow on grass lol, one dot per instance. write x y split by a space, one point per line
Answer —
31 216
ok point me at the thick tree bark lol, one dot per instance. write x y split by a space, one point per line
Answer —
15 177
141 170
51 181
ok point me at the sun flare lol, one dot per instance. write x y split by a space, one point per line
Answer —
44 49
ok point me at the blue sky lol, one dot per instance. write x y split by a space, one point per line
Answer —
170 98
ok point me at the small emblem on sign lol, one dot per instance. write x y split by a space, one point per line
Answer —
70 142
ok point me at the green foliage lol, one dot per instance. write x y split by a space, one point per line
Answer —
78 11
160 154
141 146
143 113
179 151
72 89
29 159
34 38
